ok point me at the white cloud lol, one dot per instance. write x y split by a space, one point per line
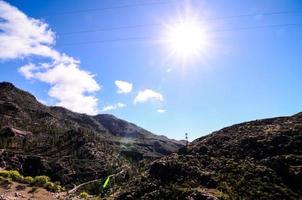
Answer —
148 95
113 107
27 70
123 87
22 36
69 85
161 110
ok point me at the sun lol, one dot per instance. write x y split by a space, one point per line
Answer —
186 39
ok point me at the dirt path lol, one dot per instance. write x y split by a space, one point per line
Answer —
92 181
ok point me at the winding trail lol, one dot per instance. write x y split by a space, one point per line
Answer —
69 192
82 184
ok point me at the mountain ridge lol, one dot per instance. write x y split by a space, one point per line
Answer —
71 135
64 111
260 159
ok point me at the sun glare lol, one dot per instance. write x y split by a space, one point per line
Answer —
186 40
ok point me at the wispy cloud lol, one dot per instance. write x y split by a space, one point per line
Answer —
22 36
161 110
148 95
113 107
123 86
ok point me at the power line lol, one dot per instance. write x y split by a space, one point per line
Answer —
109 29
110 8
158 24
142 38
109 40
257 27
259 14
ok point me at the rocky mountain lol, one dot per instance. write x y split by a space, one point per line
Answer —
260 159
68 146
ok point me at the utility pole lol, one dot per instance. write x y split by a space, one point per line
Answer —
187 140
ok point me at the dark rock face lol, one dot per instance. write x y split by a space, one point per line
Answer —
260 159
68 146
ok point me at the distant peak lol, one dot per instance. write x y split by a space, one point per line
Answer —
11 91
7 85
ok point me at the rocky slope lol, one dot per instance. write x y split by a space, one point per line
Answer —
70 147
260 159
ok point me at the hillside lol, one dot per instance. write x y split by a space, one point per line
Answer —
260 159
69 147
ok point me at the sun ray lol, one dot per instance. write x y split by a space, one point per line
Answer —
187 39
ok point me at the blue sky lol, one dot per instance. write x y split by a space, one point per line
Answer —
241 75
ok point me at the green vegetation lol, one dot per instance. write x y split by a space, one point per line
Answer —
41 180
15 175
84 195
48 185
28 180
38 181
12 174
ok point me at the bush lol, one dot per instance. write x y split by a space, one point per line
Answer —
4 174
28 179
56 188
41 180
38 181
84 195
13 174
16 176
52 187
49 186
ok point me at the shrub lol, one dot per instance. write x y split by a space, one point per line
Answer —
53 187
15 176
84 195
4 173
41 180
49 186
56 188
28 179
